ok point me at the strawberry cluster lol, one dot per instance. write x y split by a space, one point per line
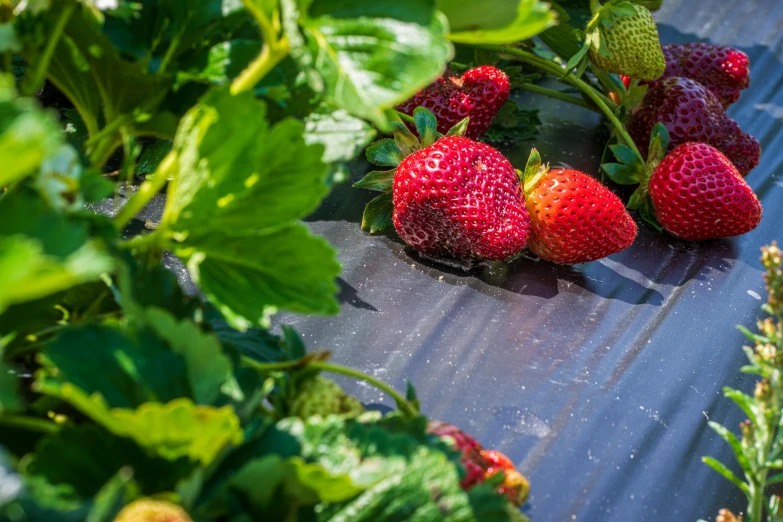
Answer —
480 464
451 196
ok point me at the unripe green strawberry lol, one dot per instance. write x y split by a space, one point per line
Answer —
626 44
322 396
151 510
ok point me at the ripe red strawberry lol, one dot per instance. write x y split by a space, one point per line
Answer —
453 197
698 194
478 94
575 219
690 112
460 198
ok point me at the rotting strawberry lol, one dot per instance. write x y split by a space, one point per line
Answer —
574 218
481 464
515 486
725 71
623 39
448 196
478 94
475 464
694 192
152 510
698 194
691 112
321 396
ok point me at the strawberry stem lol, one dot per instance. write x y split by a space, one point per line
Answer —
531 87
275 49
402 403
605 105
595 6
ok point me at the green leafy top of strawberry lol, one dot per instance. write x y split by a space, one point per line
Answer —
390 152
631 170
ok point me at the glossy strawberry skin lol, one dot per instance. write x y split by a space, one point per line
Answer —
475 464
698 195
690 112
575 219
462 199
478 94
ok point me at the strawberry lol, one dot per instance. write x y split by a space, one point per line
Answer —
475 464
623 39
478 94
151 510
691 112
698 194
515 486
575 219
448 196
481 464
321 396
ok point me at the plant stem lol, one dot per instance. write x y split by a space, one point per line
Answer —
405 117
33 82
272 53
558 95
139 200
402 402
29 423
596 97
595 5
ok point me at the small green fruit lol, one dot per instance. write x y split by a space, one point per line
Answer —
627 44
322 396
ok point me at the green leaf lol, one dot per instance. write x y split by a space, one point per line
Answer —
621 174
459 128
561 38
367 57
177 429
27 134
748 404
342 135
381 180
28 273
250 277
227 164
623 9
10 401
735 444
627 157
209 371
86 457
514 123
221 63
406 141
110 499
659 144
577 58
647 212
377 215
727 474
152 156
426 126
385 153
496 21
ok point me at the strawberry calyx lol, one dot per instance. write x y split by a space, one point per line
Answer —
632 170
534 171
390 152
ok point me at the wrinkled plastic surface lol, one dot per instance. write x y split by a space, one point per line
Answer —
597 380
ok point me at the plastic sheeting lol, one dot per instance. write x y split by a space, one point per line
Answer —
597 380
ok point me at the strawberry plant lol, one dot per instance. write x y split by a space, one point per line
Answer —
123 398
